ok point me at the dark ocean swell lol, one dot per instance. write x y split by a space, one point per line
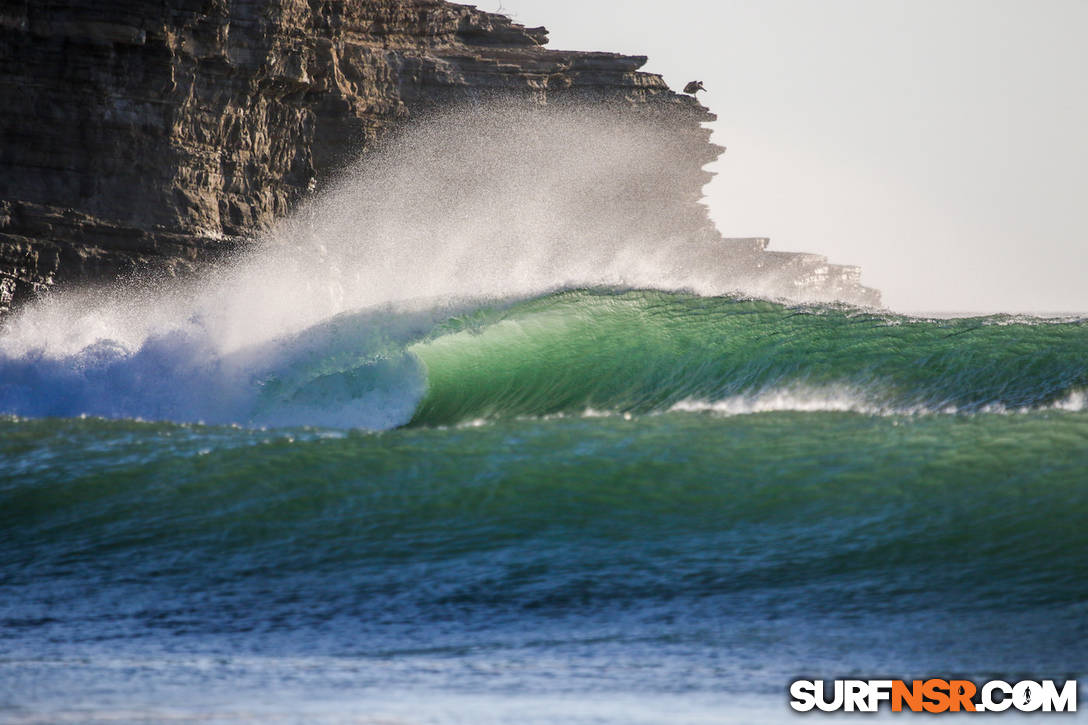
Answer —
843 509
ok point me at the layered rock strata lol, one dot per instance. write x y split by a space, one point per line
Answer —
160 134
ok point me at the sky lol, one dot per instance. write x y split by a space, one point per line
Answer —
941 145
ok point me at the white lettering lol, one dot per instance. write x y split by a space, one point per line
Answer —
803 693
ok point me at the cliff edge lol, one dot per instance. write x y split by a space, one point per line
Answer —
159 135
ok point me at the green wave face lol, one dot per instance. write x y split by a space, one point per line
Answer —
639 352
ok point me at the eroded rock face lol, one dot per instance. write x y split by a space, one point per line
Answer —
160 134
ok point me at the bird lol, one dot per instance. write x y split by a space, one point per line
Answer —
694 87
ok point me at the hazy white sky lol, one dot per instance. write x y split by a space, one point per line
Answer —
940 144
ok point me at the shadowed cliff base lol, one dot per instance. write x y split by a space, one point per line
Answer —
150 138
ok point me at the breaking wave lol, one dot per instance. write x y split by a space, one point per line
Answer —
485 265
611 351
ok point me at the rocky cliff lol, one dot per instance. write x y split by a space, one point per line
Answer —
160 134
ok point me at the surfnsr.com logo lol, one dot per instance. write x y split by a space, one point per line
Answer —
933 696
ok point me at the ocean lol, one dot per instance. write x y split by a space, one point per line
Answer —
583 505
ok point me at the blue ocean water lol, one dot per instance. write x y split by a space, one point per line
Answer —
598 506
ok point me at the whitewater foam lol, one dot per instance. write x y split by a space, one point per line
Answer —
847 400
801 400
351 372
